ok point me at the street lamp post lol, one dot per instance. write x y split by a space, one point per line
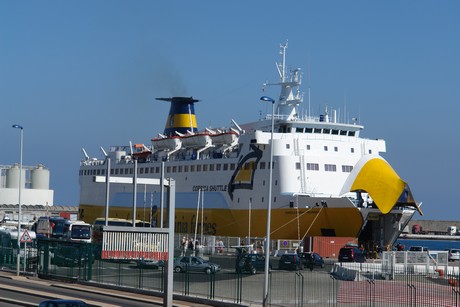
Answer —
19 201
269 208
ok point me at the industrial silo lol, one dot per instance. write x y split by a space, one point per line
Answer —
12 177
40 178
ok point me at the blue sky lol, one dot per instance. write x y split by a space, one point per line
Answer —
86 73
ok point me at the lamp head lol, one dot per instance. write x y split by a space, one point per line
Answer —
266 98
17 126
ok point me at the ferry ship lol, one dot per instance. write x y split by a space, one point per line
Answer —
326 179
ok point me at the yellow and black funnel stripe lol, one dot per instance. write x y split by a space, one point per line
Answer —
181 116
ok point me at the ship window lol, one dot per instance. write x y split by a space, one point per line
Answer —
308 130
351 133
211 167
232 166
192 168
370 151
288 146
318 130
276 182
330 167
225 166
198 168
326 131
146 170
263 182
103 172
336 148
179 169
131 171
262 165
116 171
297 165
152 170
186 168
298 129
174 169
308 147
205 168
274 199
335 132
343 132
157 169
352 150
111 171
313 166
247 165
141 170
347 168
98 172
168 169
262 199
218 167
325 148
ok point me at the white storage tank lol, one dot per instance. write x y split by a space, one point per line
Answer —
40 178
12 177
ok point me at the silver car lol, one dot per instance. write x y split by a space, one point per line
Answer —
454 254
195 264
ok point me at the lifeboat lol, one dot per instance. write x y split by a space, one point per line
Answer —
163 142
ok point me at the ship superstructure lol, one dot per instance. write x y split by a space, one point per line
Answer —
327 180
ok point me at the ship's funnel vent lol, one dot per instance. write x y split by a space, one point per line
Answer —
181 115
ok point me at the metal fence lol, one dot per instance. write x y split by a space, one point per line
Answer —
336 284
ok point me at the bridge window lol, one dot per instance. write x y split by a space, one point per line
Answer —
343 132
298 129
351 133
308 130
312 166
335 132
318 130
325 148
297 165
326 131
347 168
330 167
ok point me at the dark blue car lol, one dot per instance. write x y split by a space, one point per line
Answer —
351 254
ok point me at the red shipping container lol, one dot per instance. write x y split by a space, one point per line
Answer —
327 247
65 215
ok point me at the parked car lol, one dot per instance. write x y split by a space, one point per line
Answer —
290 262
195 264
418 249
251 263
351 254
63 303
453 254
312 259
150 264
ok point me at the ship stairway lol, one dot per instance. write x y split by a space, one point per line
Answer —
300 154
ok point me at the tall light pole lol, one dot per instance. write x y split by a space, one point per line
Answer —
269 208
19 201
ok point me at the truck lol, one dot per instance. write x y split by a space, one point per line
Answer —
452 230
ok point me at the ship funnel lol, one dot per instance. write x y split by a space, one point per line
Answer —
181 115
